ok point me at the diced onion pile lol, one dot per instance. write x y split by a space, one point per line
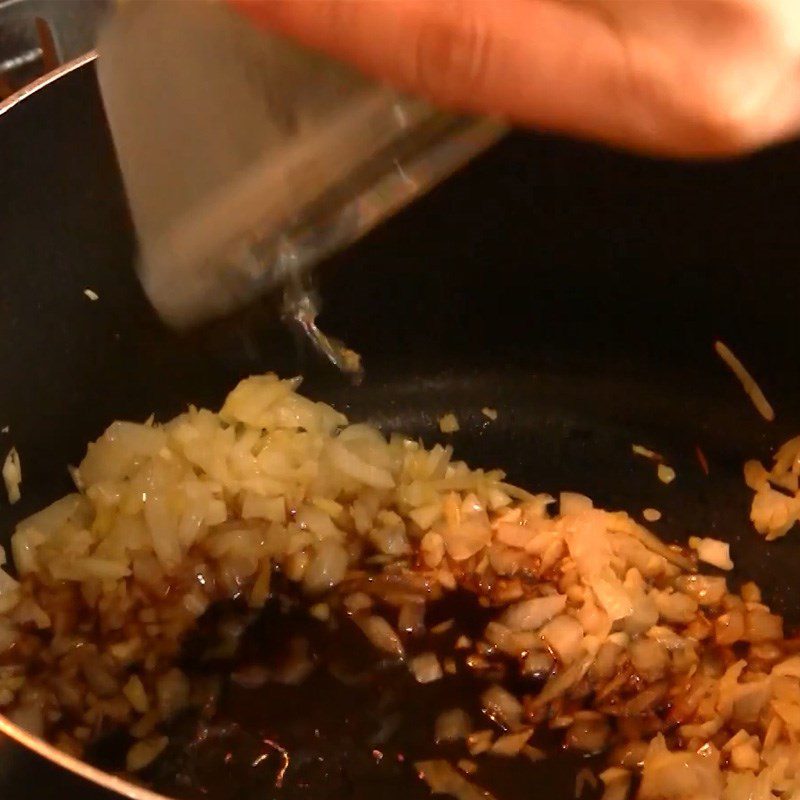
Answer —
776 504
674 677
12 475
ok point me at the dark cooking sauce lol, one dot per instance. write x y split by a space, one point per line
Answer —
348 726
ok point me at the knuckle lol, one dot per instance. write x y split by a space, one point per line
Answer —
451 55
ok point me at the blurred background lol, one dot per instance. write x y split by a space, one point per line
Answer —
38 35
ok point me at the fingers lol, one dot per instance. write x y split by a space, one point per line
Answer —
535 62
668 78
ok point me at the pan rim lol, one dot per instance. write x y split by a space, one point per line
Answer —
44 80
93 774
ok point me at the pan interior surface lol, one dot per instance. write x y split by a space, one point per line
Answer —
576 291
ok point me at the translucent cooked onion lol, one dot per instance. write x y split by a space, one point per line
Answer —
143 753
714 552
411 619
327 568
583 780
468 536
616 783
752 389
679 774
573 503
510 744
612 596
448 423
352 466
452 725
562 681
501 706
588 734
426 668
12 475
564 636
381 634
443 778
707 590
655 544
649 658
530 615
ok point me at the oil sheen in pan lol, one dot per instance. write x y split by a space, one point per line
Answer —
346 724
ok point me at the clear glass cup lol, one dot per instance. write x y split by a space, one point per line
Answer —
247 159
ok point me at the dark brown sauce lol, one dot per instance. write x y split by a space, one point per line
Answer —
351 730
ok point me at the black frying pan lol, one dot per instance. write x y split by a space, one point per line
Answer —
576 290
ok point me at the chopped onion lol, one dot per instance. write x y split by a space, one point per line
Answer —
756 476
665 473
649 658
707 590
617 783
646 452
589 735
411 618
208 507
655 544
357 601
468 536
502 707
714 552
612 596
426 668
381 634
564 680
479 742
511 744
789 667
444 778
585 778
678 775
530 615
564 636
352 465
752 389
761 626
30 717
573 503
448 423
143 753
453 725
538 664
676 606
12 475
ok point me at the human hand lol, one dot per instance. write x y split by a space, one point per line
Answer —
675 77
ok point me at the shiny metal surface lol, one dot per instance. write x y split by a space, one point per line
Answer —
36 36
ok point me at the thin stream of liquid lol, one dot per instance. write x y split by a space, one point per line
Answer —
300 311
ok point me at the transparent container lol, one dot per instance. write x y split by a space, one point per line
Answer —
247 160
